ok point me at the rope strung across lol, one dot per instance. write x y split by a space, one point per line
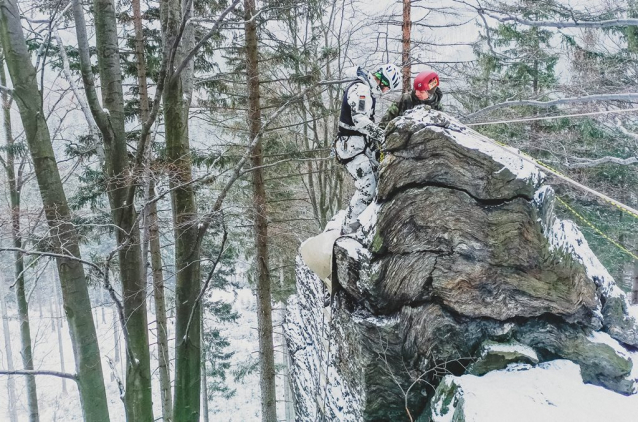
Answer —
622 207
562 116
597 230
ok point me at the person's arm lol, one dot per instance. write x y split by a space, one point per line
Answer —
360 101
438 95
390 114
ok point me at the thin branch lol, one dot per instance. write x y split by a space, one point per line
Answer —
625 131
563 24
628 97
54 255
208 279
604 160
7 90
204 40
40 372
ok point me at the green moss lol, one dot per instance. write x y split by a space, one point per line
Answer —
377 243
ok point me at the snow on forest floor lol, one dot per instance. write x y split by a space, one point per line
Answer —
56 405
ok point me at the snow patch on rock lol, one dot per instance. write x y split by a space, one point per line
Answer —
551 392
507 156
520 349
310 338
566 236
604 338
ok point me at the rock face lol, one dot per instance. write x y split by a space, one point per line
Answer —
461 266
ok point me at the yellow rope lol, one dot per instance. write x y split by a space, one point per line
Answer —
623 208
597 230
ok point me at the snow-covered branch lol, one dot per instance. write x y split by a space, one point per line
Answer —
505 18
628 97
625 131
604 160
39 372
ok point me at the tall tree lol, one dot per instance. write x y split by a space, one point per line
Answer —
63 236
260 221
186 405
15 188
11 384
120 189
405 56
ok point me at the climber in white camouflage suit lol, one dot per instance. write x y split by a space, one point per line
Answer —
359 138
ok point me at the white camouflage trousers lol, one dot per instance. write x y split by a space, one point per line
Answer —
361 166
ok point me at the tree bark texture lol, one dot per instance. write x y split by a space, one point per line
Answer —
63 235
405 55
204 379
21 298
58 322
264 307
11 386
160 311
186 404
138 397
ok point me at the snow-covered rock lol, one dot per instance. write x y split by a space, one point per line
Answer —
551 392
460 263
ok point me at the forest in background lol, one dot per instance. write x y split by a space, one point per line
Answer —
157 152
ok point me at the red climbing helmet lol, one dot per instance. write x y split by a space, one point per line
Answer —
426 81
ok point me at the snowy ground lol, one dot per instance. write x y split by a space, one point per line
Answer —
55 405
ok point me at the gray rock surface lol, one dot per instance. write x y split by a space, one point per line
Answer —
461 250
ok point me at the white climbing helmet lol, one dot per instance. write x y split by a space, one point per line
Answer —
389 75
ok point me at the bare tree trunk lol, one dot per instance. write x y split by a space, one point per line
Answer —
204 380
103 302
160 311
64 238
11 387
264 307
23 306
58 299
405 56
186 406
120 184
116 336
51 312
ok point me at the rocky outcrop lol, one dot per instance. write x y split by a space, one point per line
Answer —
461 266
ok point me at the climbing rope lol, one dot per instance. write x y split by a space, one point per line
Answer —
619 205
597 230
532 119
622 207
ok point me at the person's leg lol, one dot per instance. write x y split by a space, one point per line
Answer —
365 182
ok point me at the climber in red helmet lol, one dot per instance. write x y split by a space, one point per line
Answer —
426 92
